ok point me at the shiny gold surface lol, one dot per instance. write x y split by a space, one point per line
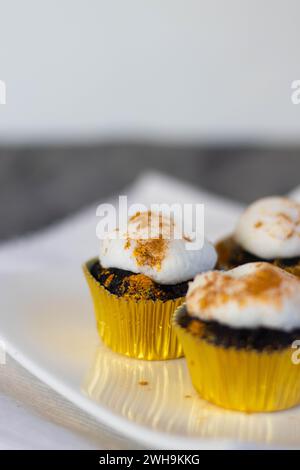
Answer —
139 329
243 380
160 396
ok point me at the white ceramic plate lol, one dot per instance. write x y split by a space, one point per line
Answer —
47 323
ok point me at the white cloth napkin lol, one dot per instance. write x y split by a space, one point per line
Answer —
73 240
25 413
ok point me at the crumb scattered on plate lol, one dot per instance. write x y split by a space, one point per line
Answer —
143 382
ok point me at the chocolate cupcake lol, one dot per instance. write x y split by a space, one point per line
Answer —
237 330
269 230
140 278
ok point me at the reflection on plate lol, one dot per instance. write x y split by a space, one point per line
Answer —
49 328
159 395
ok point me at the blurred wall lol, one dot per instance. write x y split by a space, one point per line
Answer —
41 185
192 70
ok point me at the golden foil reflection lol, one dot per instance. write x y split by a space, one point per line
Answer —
160 396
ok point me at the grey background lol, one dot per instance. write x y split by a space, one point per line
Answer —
43 184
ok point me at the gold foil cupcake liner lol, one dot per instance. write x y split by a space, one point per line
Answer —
140 329
241 379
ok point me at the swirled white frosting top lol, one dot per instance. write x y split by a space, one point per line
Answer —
250 296
150 246
270 228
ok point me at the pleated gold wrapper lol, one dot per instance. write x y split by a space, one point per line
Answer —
141 329
241 379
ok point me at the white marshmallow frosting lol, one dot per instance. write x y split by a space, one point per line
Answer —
270 228
162 257
249 296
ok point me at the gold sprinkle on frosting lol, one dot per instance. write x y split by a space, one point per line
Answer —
264 283
151 233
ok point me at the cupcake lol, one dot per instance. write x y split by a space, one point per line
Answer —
237 330
139 279
268 230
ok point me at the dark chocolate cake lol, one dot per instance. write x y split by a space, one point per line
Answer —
240 338
131 285
231 255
